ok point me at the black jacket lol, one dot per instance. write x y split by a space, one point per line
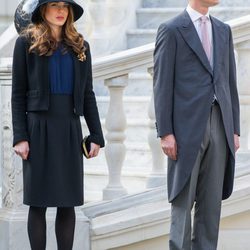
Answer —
30 90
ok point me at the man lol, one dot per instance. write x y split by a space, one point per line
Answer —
197 115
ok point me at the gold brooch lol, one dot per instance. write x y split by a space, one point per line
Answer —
81 57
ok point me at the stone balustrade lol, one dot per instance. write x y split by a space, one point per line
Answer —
114 70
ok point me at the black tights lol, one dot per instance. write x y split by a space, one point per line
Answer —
64 227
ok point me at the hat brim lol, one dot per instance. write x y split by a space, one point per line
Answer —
77 10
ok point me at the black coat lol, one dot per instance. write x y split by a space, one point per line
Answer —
31 92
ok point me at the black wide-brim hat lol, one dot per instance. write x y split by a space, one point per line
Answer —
77 9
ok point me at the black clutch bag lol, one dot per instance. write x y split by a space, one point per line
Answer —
86 146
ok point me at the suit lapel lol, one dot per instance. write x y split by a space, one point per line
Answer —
190 35
218 44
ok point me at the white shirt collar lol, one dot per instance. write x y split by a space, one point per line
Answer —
195 15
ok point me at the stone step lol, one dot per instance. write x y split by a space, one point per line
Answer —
135 107
140 83
163 3
137 130
136 111
136 169
183 3
138 155
134 178
142 221
96 180
139 37
150 18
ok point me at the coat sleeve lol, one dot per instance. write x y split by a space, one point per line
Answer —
90 110
163 86
233 86
18 94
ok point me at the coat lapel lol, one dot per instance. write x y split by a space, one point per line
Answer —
190 35
218 45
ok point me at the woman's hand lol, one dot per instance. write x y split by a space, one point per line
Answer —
94 150
22 149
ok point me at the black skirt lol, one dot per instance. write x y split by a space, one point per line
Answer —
53 173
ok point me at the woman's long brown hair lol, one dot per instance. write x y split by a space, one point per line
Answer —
43 43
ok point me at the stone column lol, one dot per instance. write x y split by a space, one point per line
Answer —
115 149
158 176
243 75
13 214
98 37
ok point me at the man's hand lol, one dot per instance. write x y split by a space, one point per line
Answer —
169 146
22 149
236 142
94 150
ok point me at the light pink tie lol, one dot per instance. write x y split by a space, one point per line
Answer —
205 37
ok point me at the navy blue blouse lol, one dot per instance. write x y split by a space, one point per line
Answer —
61 70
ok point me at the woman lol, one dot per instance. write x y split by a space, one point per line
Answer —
52 87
